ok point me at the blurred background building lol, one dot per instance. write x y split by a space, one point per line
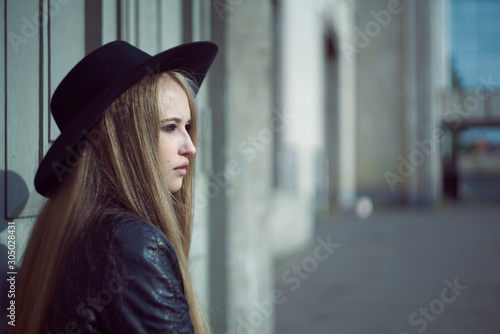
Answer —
472 149
309 106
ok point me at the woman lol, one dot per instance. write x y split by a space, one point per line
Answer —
109 250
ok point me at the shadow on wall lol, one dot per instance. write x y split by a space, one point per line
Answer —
21 189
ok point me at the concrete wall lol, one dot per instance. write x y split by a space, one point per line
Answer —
247 146
301 134
268 145
304 159
402 72
379 90
342 14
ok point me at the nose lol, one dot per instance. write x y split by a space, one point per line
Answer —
187 148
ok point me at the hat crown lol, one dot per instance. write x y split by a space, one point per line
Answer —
99 70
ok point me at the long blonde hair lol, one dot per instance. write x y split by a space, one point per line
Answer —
118 169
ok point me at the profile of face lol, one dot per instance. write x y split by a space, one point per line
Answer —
175 144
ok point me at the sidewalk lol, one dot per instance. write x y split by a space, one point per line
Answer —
398 272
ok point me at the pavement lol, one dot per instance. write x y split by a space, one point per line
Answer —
432 271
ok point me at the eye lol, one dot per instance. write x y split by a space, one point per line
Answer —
169 127
188 127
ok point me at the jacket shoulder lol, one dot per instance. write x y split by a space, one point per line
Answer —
142 244
126 279
147 263
136 235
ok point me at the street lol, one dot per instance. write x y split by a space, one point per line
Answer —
433 271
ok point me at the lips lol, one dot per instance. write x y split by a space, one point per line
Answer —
183 166
181 170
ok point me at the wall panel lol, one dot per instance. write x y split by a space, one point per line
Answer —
24 20
67 45
109 21
129 20
2 105
170 24
148 26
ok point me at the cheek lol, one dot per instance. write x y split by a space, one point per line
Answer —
167 152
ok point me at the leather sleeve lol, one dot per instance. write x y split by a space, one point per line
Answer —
144 293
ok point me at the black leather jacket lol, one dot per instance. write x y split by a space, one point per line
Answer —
122 277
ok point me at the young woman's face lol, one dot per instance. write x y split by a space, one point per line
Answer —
175 142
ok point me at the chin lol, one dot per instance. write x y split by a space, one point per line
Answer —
175 188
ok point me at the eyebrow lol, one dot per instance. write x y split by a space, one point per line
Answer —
175 119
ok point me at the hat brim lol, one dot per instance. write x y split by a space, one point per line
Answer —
192 58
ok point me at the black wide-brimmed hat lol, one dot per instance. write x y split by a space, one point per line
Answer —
95 82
